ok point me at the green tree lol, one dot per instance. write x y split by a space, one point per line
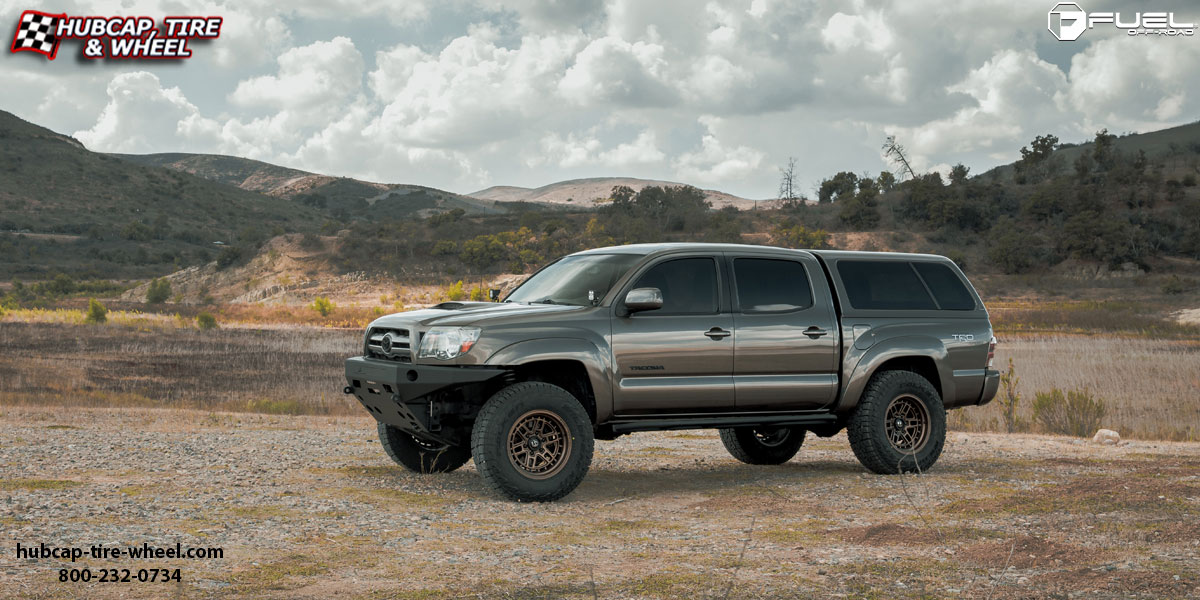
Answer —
158 291
837 187
96 313
958 174
861 211
1034 164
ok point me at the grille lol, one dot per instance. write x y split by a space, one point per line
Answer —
401 348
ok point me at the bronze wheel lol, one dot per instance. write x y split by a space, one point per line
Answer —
906 424
532 441
539 443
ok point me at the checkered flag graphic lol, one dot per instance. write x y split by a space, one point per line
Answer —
36 33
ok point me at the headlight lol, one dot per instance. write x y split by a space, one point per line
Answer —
445 343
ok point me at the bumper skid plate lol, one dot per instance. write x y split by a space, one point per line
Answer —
395 393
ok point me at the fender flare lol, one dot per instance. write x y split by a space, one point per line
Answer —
888 349
595 361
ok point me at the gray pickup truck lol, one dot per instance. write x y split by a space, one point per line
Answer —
764 344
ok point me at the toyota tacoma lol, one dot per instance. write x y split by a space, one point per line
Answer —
766 345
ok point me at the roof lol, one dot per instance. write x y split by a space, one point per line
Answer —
654 248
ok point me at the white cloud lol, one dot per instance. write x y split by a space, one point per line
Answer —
715 161
472 92
141 116
1134 84
611 70
319 75
642 150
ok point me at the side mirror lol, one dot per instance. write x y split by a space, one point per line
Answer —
642 299
494 295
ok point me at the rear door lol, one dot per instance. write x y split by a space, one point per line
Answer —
786 336
678 359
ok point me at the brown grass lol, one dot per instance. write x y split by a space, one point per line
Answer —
1149 387
293 371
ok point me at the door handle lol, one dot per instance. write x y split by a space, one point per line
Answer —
717 333
815 332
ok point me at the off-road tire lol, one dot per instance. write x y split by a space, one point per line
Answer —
763 445
869 429
509 416
407 452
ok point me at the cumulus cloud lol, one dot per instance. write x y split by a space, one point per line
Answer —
472 92
141 116
319 75
715 161
613 71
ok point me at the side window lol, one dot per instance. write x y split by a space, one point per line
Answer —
949 290
688 285
883 285
769 285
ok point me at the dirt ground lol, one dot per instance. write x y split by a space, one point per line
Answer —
311 507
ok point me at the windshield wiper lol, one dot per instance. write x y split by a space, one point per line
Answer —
544 301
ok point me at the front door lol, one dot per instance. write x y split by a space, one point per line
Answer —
786 347
677 359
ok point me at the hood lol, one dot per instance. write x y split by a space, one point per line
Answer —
469 313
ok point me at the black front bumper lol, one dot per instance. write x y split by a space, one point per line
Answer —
402 394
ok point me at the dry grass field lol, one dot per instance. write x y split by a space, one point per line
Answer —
1150 386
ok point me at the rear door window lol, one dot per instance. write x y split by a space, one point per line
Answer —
770 285
946 286
883 285
688 285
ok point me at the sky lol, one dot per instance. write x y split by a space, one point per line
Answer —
466 94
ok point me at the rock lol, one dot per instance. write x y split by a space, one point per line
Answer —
1107 437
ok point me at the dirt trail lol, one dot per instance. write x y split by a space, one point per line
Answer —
311 507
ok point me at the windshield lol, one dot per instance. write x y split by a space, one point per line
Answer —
579 280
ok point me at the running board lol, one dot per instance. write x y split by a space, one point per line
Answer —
720 422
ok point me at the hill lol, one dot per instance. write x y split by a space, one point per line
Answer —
1173 147
343 197
582 192
120 218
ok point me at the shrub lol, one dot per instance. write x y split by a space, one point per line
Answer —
455 292
205 320
96 313
1010 399
478 294
1076 413
323 305
158 291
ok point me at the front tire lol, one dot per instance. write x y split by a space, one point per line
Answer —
532 442
418 456
763 445
899 425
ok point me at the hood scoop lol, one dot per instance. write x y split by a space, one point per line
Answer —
460 305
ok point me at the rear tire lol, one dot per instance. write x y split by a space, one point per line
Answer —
532 442
418 456
763 445
899 425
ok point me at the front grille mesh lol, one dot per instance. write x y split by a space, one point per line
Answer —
401 348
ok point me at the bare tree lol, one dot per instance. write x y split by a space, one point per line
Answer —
787 182
895 153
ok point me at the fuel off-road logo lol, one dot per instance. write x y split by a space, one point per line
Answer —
113 37
1067 21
